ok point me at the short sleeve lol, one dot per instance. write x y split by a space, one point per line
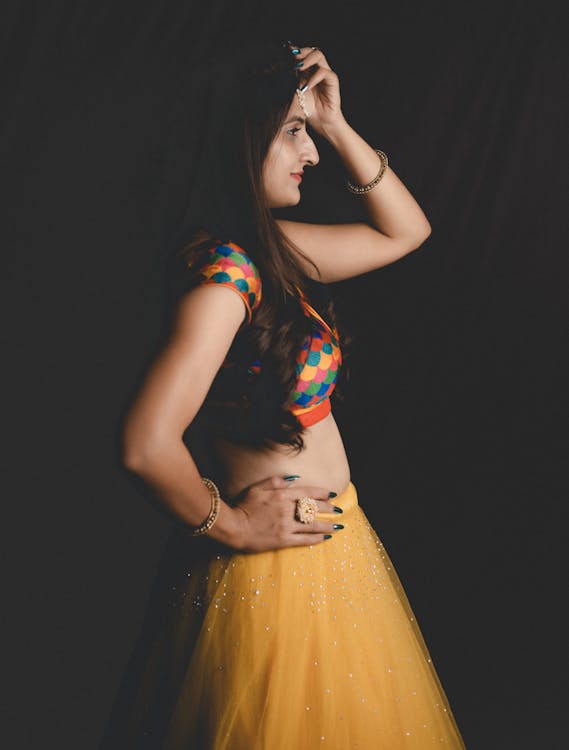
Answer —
230 266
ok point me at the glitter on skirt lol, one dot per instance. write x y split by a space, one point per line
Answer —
302 647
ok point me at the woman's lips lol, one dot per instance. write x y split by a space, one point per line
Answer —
297 176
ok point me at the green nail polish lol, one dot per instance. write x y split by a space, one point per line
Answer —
327 536
295 51
338 510
338 526
291 477
332 494
299 64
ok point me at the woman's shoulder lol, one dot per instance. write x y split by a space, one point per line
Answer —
230 265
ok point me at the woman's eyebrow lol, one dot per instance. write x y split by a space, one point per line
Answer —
296 118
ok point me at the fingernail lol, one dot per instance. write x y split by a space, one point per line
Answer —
338 510
327 536
338 526
291 477
295 51
299 64
304 88
332 494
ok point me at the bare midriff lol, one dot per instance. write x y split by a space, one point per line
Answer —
321 463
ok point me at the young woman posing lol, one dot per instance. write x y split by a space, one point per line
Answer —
277 620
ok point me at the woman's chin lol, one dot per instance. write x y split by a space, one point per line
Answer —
285 202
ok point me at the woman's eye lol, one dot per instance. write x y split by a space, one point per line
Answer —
293 130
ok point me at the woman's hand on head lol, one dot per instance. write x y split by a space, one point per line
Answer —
322 97
267 516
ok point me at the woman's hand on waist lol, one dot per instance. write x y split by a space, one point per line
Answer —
266 516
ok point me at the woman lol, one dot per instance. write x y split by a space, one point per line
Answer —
271 624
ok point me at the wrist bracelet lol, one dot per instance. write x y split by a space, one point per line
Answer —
361 189
215 500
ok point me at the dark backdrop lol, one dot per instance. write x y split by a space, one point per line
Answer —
454 417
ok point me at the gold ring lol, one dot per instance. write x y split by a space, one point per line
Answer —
306 509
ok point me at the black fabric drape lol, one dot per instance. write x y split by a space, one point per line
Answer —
457 408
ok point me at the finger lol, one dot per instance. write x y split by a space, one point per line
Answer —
302 50
321 74
304 490
322 497
316 527
309 57
276 482
307 540
290 490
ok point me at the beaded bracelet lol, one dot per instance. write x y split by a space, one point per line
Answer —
361 189
215 500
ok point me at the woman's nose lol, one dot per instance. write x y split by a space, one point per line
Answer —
311 152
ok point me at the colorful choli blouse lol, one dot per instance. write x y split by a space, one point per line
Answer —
320 357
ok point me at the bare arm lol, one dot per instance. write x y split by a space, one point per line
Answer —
342 251
392 209
397 224
176 385
206 321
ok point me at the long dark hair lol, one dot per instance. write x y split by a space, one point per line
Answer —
249 94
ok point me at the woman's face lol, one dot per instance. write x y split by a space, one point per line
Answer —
291 150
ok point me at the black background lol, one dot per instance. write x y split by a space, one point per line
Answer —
457 403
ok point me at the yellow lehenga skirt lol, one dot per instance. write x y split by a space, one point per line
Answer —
292 649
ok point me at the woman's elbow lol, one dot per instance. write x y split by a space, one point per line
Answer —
138 448
132 456
145 442
131 460
421 238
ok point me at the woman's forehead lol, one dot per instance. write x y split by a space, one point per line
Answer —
296 110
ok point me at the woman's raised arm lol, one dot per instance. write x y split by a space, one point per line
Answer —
397 224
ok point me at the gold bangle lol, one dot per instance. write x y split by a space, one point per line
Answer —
361 189
215 500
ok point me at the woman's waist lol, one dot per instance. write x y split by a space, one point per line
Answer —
332 477
321 463
315 486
